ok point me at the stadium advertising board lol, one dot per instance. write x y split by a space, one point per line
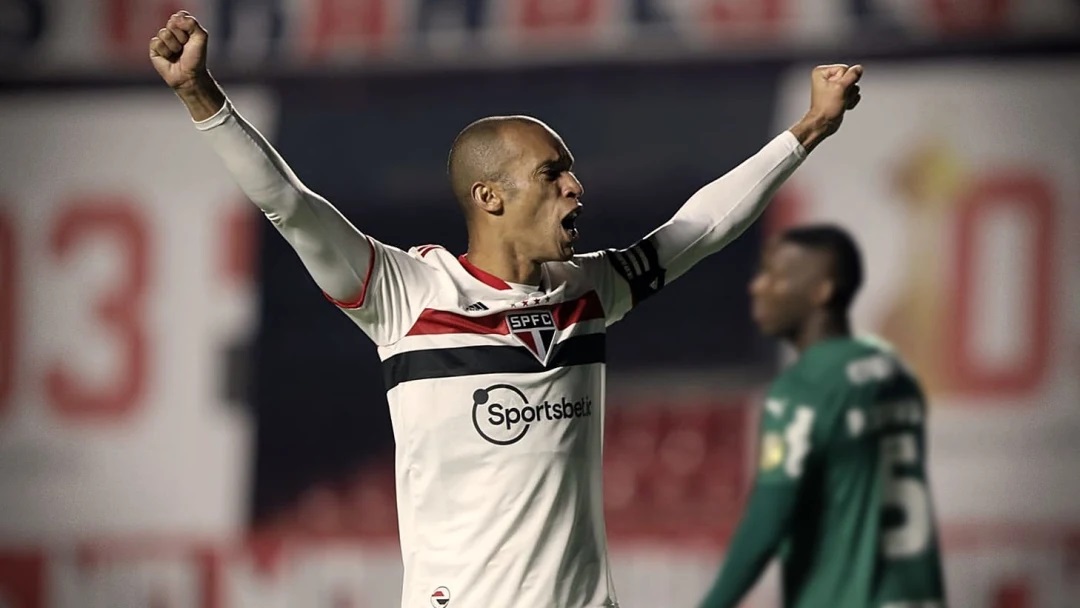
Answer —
47 37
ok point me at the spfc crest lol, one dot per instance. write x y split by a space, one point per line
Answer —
440 597
535 329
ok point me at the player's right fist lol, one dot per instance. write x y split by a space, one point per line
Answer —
834 89
178 52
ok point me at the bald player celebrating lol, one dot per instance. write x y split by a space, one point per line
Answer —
494 360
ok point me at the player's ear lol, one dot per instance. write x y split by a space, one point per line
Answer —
823 293
487 198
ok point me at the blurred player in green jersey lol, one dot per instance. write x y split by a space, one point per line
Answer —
841 492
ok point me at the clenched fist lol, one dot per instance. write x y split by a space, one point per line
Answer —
178 52
834 89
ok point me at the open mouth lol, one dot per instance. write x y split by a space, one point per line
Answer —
569 223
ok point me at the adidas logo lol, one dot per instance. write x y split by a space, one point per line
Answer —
475 307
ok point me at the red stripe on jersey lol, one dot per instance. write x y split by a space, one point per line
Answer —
484 277
445 322
585 308
565 314
359 300
425 249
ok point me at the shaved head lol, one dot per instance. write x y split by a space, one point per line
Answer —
480 153
513 178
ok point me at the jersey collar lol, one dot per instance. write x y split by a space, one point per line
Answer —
484 277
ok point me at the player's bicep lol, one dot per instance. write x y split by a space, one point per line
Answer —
624 278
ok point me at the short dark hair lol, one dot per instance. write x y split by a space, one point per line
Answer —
846 268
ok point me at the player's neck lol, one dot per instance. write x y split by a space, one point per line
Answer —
820 327
505 263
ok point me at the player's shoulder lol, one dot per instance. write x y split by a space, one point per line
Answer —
848 362
434 257
578 268
431 264
429 251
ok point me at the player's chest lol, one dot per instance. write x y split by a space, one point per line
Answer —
536 330
554 411
549 332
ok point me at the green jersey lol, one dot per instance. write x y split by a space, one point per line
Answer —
841 493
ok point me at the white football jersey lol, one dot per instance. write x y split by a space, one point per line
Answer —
497 401
496 394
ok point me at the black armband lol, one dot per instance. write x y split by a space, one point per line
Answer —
640 267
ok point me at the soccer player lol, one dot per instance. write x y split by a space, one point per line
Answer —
494 360
841 491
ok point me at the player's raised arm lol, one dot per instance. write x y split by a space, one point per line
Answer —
719 212
336 255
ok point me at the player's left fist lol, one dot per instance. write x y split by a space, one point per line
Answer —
834 89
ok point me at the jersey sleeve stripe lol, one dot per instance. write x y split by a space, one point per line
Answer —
477 360
359 300
565 314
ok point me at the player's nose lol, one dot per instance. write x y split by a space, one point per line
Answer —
572 187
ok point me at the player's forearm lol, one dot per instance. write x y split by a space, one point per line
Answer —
763 526
722 210
254 164
335 254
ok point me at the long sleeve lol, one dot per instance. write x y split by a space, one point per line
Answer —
337 255
762 528
721 210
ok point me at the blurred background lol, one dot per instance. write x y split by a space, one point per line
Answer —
186 422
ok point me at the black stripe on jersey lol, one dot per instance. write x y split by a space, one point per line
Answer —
473 360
